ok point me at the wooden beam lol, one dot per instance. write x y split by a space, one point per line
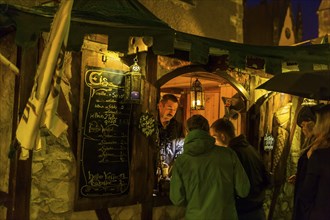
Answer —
9 64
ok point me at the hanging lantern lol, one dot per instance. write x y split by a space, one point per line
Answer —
133 83
197 96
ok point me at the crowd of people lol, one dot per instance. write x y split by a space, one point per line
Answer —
218 175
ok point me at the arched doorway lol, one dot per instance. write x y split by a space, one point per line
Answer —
218 86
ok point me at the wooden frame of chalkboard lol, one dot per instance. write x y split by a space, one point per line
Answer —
104 176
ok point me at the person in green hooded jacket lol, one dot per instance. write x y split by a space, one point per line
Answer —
206 178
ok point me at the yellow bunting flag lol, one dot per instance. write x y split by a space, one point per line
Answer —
38 112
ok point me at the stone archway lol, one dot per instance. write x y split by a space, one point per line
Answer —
200 69
216 78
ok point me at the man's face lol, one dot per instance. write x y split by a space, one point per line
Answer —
168 110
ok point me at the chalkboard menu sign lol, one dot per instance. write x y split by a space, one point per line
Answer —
104 162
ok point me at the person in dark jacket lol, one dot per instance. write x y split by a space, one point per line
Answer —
306 121
206 178
250 207
313 199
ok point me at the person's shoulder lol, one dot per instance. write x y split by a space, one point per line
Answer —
224 150
319 156
182 160
322 152
226 154
319 160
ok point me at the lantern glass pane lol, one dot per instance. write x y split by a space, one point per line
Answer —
135 86
197 96
127 86
197 100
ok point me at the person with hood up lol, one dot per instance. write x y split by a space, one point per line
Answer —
207 178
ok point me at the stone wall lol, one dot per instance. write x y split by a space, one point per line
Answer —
324 18
209 18
53 179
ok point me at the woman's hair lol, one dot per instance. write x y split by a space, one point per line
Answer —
197 122
224 125
322 128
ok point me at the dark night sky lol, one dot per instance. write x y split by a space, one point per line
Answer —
309 11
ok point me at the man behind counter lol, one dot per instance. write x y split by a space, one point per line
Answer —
170 130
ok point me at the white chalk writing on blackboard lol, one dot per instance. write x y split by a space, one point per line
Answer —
105 182
105 142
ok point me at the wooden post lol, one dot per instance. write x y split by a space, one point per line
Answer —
103 214
20 170
150 105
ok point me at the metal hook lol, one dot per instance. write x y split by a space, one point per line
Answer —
104 58
136 55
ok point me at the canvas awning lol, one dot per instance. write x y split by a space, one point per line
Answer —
123 19
303 55
117 19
